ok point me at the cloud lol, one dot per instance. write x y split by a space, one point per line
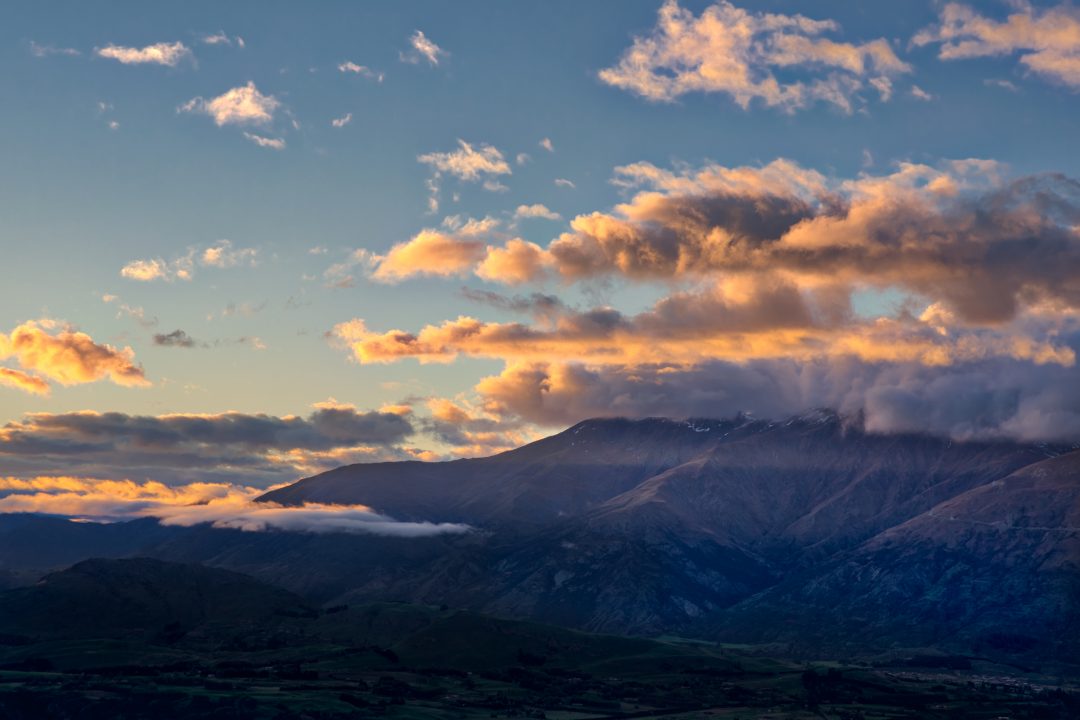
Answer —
266 142
547 145
919 94
961 234
563 182
177 338
537 304
38 50
430 252
67 356
219 504
342 121
472 432
255 449
468 164
993 398
422 49
168 54
743 54
339 275
243 105
536 211
221 255
1048 40
737 319
147 270
220 38
1001 83
350 67
23 381
522 158
454 250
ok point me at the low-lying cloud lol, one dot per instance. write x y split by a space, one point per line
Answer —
219 504
988 399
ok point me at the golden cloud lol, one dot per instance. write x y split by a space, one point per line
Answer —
219 504
68 357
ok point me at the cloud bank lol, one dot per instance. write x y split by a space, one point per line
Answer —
762 272
220 505
230 447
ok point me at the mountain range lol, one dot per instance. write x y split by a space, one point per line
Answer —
811 533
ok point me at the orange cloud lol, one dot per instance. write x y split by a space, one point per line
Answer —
23 381
219 504
730 50
429 253
958 234
69 357
1048 39
741 319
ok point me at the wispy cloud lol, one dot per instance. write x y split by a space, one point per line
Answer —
219 504
164 53
220 255
919 94
1048 40
342 121
26 382
39 50
536 211
483 163
422 48
243 105
362 70
265 142
220 38
176 338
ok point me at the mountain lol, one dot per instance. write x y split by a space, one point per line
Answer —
562 475
141 638
810 531
664 525
996 568
143 596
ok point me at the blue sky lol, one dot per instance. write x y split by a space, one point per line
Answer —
103 167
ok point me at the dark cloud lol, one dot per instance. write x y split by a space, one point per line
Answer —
997 397
231 447
177 338
535 304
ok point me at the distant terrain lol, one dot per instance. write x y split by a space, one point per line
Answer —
809 536
144 638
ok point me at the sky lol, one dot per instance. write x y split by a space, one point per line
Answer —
246 242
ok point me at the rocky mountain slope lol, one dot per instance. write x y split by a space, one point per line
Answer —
806 531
